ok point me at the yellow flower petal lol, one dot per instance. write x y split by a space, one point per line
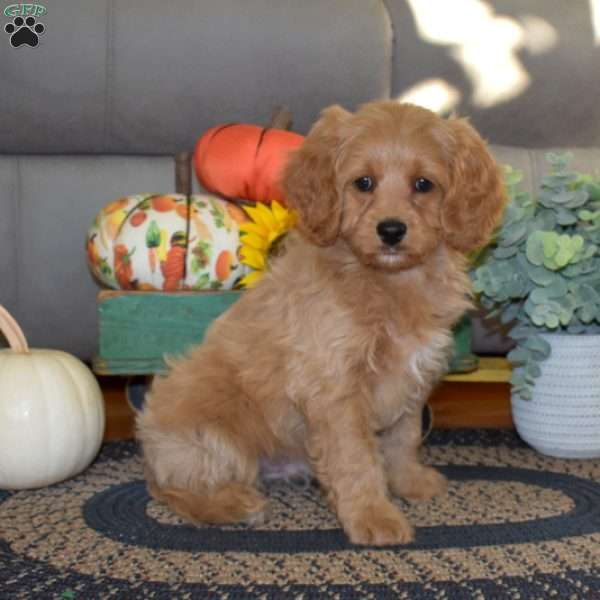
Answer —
251 279
267 216
286 218
258 242
252 257
251 227
279 212
257 216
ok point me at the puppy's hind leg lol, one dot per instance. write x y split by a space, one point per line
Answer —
202 476
230 503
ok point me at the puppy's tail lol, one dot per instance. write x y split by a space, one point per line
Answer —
232 502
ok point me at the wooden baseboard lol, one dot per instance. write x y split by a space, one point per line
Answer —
477 399
455 404
119 415
458 404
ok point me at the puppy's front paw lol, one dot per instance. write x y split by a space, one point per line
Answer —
419 483
380 524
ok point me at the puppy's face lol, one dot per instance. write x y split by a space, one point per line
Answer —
394 182
392 175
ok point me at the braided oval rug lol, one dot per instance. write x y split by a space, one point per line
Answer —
515 524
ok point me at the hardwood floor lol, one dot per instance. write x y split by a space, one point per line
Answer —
479 399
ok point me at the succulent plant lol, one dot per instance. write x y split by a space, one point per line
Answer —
542 272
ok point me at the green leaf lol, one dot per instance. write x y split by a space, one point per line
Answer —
587 293
561 258
549 243
518 355
580 197
512 177
512 234
565 217
587 313
558 288
535 248
552 321
545 314
153 235
577 242
540 275
544 220
559 160
505 252
539 346
202 282
521 332
593 189
539 295
565 315
509 313
517 379
532 370
526 393
587 215
563 197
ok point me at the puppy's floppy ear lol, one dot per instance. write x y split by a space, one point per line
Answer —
476 197
309 179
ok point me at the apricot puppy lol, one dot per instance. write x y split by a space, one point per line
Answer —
332 356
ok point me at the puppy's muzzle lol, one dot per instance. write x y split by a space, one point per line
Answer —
391 231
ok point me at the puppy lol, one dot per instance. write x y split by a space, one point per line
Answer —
332 356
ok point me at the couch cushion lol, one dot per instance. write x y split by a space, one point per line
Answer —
10 244
46 206
148 77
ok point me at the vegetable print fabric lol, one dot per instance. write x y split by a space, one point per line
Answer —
167 242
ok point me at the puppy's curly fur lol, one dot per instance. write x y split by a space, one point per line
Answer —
332 356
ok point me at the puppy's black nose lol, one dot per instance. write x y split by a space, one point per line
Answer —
391 231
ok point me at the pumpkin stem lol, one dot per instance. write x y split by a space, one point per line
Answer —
12 332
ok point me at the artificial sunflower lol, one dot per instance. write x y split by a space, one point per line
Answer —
261 236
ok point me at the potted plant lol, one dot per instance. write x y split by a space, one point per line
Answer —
541 276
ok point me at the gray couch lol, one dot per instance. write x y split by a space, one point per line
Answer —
115 88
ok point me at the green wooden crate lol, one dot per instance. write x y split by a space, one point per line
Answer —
137 329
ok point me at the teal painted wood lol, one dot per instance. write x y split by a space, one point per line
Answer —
138 329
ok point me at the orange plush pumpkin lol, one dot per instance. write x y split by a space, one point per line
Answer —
244 161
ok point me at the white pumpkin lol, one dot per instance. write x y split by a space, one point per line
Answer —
51 413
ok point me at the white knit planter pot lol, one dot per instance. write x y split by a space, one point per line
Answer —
563 417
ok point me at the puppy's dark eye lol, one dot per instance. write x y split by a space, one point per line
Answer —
364 184
422 185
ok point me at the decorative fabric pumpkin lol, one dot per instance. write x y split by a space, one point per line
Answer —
51 413
244 161
167 242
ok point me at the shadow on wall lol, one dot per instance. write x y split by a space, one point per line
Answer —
524 71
